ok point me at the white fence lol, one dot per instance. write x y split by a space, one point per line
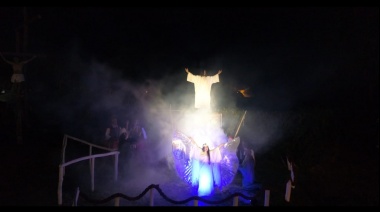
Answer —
91 159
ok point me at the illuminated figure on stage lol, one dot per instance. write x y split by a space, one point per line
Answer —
202 86
204 156
203 167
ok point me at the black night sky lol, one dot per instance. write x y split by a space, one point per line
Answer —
289 58
286 56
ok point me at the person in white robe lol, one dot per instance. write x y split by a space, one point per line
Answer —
205 168
202 87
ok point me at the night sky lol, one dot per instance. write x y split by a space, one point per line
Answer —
289 58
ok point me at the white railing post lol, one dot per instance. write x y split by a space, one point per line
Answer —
267 197
75 203
90 153
92 174
60 182
236 200
288 190
116 166
151 197
117 201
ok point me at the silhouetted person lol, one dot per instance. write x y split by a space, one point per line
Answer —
112 134
126 149
247 170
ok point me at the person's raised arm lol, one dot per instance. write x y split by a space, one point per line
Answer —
187 70
220 71
7 61
32 58
194 143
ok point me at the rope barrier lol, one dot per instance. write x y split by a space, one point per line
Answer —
117 195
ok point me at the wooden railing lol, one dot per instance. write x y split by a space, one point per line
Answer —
90 157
